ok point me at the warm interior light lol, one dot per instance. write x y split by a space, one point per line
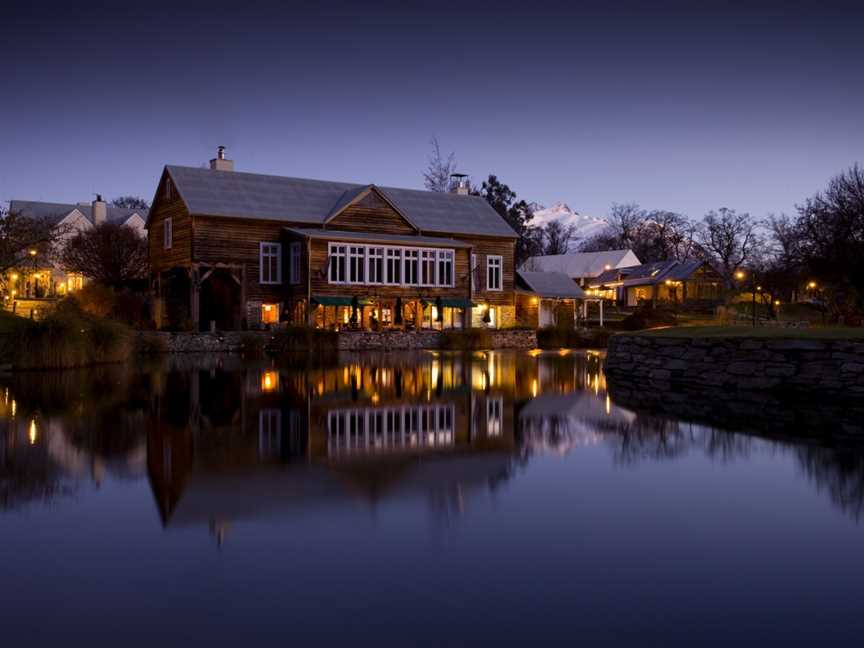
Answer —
269 381
14 276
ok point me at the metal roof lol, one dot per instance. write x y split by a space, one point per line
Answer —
582 264
650 273
374 237
550 284
56 212
234 194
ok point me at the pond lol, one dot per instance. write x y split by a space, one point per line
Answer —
420 499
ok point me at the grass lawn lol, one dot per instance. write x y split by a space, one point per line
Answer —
813 333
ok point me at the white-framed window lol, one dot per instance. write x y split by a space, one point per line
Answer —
270 263
375 268
445 267
356 264
474 286
167 233
427 267
294 263
394 266
494 276
412 267
494 416
338 263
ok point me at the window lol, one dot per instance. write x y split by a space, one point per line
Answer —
269 433
294 263
474 273
445 267
427 267
356 264
338 263
167 233
376 265
494 416
493 272
271 263
411 267
269 313
394 266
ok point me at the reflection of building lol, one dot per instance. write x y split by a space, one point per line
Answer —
259 439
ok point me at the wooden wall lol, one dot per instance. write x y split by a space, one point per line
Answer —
371 214
180 253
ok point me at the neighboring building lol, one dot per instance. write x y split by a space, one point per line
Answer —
546 299
582 267
670 282
43 278
230 248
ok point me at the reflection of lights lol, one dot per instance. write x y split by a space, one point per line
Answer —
534 387
32 433
563 352
608 405
491 368
376 398
534 353
14 407
269 381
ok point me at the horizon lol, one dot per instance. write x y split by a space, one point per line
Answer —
680 108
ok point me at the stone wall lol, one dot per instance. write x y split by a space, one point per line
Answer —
739 363
234 341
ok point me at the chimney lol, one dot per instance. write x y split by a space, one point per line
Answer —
459 184
100 210
219 163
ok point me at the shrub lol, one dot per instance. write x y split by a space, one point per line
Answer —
555 337
149 344
471 339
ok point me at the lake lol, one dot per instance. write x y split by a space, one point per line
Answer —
420 499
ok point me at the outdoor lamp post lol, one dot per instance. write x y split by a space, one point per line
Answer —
32 252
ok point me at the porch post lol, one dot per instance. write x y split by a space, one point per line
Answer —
601 312
575 315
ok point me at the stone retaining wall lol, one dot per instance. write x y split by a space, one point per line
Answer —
832 366
233 341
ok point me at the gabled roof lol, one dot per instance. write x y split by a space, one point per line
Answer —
650 273
582 264
56 212
549 284
234 194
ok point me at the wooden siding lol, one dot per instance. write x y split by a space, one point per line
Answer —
493 246
371 214
180 253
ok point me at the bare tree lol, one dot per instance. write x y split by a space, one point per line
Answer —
130 202
438 172
20 234
557 237
108 253
729 240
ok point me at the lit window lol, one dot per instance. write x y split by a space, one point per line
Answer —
167 233
493 272
271 263
270 313
269 381
445 267
338 263
294 263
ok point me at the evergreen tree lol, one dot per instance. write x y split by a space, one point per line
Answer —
517 214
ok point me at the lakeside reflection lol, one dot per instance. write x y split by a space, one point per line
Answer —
222 440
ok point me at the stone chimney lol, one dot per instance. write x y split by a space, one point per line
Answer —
220 163
459 184
100 210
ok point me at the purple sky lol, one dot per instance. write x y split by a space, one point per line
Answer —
684 106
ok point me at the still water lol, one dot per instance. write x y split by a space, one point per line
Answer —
418 499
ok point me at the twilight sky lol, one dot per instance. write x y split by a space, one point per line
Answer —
683 106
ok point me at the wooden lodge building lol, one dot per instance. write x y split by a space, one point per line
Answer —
231 249
668 282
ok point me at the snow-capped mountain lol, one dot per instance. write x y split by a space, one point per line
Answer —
586 226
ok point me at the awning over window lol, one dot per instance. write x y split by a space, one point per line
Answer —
455 302
330 300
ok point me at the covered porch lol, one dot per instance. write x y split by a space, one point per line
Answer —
546 299
374 313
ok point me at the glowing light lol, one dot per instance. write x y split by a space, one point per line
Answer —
608 405
811 285
607 267
535 301
534 352
376 398
32 252
269 381
563 352
739 275
13 276
14 407
534 387
32 432
777 302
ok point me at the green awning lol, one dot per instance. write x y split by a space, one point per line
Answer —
330 300
455 303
